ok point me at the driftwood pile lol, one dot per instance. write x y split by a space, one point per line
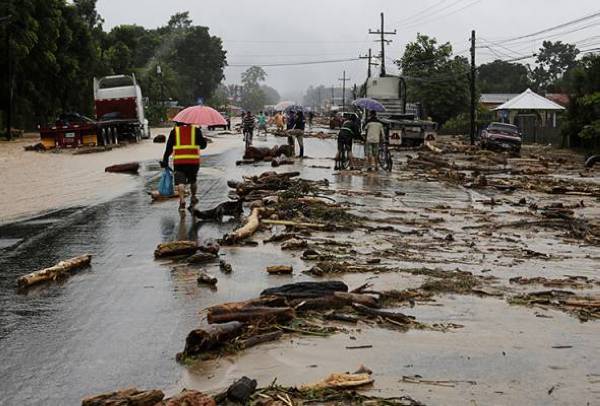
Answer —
287 309
136 397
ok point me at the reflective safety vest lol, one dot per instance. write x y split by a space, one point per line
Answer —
186 151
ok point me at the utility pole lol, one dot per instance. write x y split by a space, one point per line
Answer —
370 58
319 98
473 76
332 96
382 33
9 78
344 79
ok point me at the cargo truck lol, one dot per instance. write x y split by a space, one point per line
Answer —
119 112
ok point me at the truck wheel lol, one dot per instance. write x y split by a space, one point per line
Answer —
115 136
104 137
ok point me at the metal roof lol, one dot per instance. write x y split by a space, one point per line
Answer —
496 98
529 100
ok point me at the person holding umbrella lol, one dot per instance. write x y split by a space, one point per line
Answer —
185 142
375 135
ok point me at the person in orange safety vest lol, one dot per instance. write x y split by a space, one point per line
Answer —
184 143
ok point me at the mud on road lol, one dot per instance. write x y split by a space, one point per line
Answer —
121 322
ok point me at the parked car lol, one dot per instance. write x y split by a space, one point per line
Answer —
501 136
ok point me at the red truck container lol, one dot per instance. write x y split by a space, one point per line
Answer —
119 116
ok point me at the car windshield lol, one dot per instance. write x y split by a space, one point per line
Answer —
504 127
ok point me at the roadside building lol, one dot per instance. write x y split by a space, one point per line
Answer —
536 116
493 100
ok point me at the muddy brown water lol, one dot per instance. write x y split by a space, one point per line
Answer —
121 322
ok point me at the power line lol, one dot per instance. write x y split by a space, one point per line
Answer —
294 41
553 28
420 12
420 23
293 63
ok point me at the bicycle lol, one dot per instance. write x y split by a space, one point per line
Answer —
248 137
385 155
343 159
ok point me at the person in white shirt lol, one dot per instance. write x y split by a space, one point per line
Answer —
375 135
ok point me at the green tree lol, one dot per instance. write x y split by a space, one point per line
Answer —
582 121
271 95
436 79
503 77
253 98
553 61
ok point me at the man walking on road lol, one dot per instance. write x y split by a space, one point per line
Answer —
299 126
375 136
185 142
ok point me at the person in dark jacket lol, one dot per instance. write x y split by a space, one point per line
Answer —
185 142
299 126
349 131
248 123
289 120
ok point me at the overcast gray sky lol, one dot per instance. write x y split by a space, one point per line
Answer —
268 31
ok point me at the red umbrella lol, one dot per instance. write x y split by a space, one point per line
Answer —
200 115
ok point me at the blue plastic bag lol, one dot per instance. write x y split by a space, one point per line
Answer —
165 185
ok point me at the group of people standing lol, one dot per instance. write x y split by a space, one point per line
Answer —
350 131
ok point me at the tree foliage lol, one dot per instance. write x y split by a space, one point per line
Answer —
253 97
553 61
503 77
58 47
582 120
436 78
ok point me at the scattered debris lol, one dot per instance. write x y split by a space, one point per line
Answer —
583 307
280 270
206 279
225 267
130 396
131 167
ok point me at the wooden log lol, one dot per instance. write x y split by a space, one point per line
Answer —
281 160
263 301
245 231
210 338
320 303
188 398
202 258
131 167
280 270
293 224
253 314
130 397
175 248
399 317
365 300
300 290
62 269
206 279
263 338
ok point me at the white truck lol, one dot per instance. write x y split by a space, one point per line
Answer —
118 99
400 118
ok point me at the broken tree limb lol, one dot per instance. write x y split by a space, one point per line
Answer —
399 317
280 270
131 396
253 314
245 231
365 300
62 269
293 224
263 338
131 167
341 381
263 301
175 248
306 289
210 338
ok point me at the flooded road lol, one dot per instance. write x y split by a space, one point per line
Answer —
121 322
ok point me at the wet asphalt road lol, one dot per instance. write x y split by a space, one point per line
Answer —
120 322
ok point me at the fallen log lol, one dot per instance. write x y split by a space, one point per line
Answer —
293 224
131 396
245 231
365 300
280 270
175 248
256 340
206 279
281 160
399 317
320 303
59 270
211 338
263 301
306 289
253 314
131 167
188 398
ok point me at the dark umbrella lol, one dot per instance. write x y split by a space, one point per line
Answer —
369 104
